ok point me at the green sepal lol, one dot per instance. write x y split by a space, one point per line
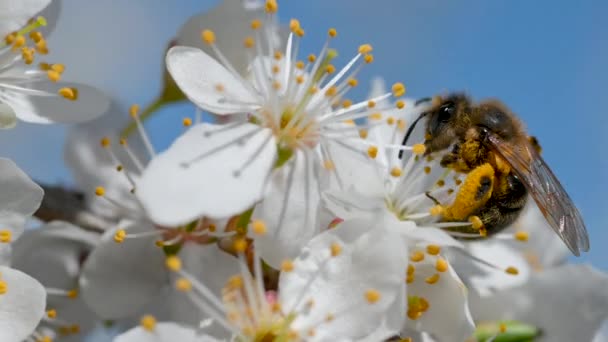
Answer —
515 332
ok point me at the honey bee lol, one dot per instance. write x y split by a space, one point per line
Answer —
503 165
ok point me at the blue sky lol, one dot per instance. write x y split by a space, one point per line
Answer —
546 59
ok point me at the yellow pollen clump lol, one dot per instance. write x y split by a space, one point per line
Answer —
19 42
417 256
60 68
398 89
483 232
390 120
368 58
418 149
100 191
36 36
372 151
332 32
240 245
476 222
371 104
411 269
329 165
249 42
512 270
3 287
441 265
313 90
312 58
73 294
10 38
432 279
258 227
299 79
51 313
440 183
183 284
294 25
336 249
330 69
436 210
119 236
256 24
372 296
235 282
148 322
433 249
208 36
6 236
331 91
300 65
352 82
349 122
287 266
69 93
134 110
416 306
396 172
401 124
278 55
400 104
187 122
300 32
375 116
347 103
41 47
105 142
173 263
522 236
365 48
363 133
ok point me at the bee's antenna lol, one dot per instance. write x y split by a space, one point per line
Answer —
410 130
423 100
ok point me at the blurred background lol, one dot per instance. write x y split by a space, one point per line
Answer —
546 59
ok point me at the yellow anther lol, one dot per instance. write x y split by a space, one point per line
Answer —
148 322
441 265
278 55
512 270
52 313
363 133
183 284
60 68
313 90
173 263
73 294
300 65
432 279
105 142
74 329
371 104
369 58
134 110
120 235
350 122
159 243
294 25
69 93
6 236
336 249
347 103
398 89
212 227
271 6
483 232
427 169
417 256
3 287
396 172
440 183
249 42
312 58
365 49
240 245
235 282
208 37
332 32
436 210
41 47
258 227
406 339
411 269
410 278
300 32
330 69
401 124
331 91
299 79
418 149
400 104
275 69
330 317
45 338
502 327
372 296
100 191
522 236
476 222
372 151
352 82
19 41
256 24
10 38
276 85
287 266
187 122
329 165
53 75
375 116
390 120
433 249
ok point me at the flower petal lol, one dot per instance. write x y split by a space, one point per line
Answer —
198 75
8 118
54 108
225 173
118 279
164 332
365 258
16 13
21 306
5 254
289 210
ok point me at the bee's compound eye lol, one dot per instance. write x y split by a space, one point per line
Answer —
446 111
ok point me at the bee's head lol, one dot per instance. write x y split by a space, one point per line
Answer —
445 121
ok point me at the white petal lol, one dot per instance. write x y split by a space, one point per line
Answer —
164 332
411 232
198 76
8 118
568 303
55 109
448 317
377 88
5 254
289 210
226 174
371 258
118 279
14 14
21 307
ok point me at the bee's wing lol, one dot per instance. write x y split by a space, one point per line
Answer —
550 196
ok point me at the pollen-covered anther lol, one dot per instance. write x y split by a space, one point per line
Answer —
329 165
347 103
396 172
410 269
336 249
299 79
441 265
330 69
256 24
287 266
476 222
369 58
294 25
69 93
390 120
521 236
276 85
173 263
148 322
3 287
437 210
120 235
417 256
249 42
208 37
72 294
418 149
363 133
331 91
375 116
100 191
400 104
398 89
365 49
512 270
45 338
240 245
502 327
18 42
52 313
259 227
372 296
352 82
433 249
300 65
416 306
183 285
6 236
332 32
432 279
105 142
187 122
401 124
41 47
372 151
427 169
